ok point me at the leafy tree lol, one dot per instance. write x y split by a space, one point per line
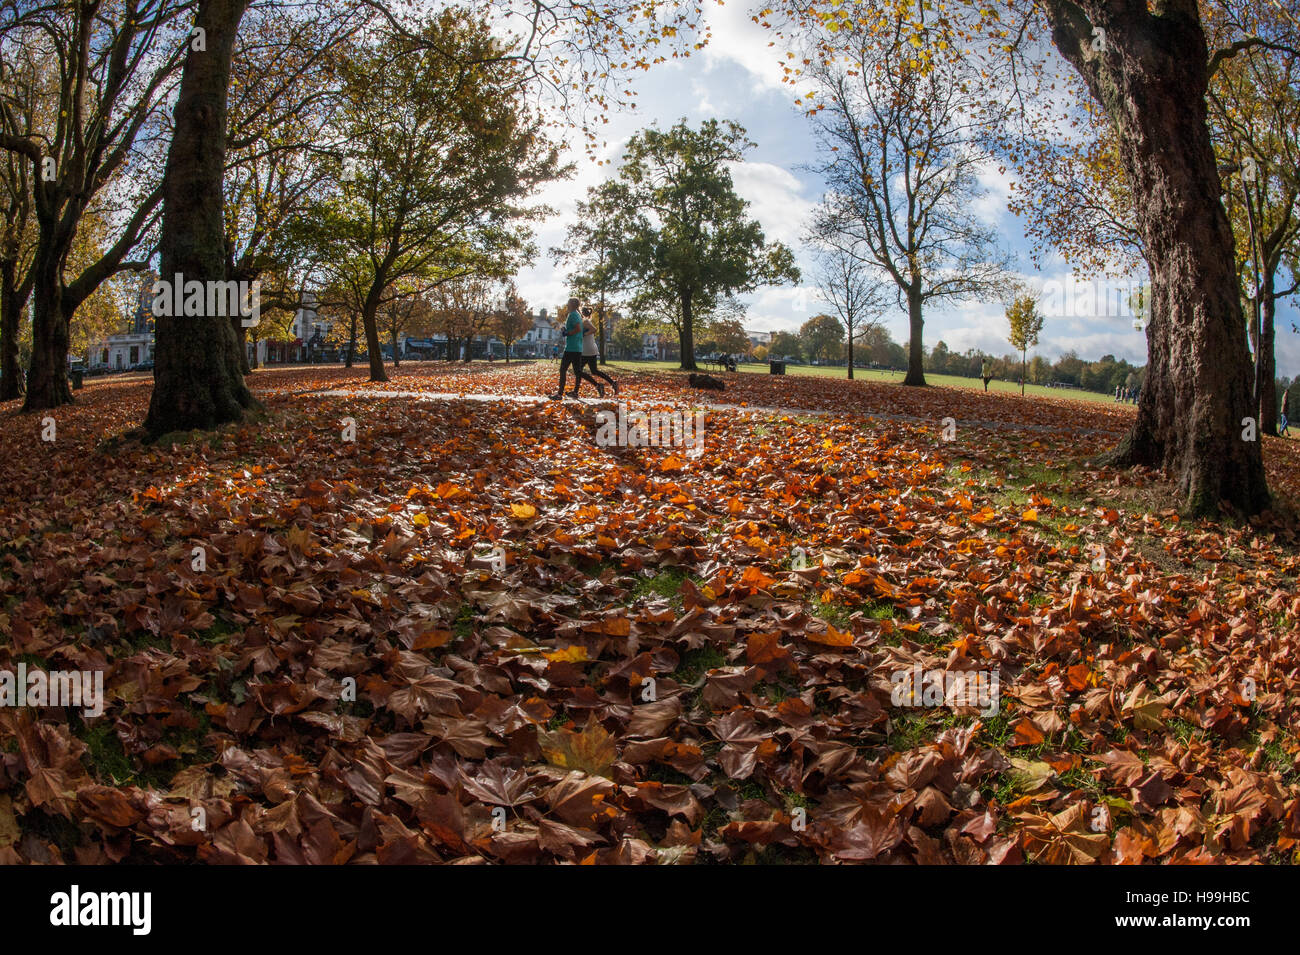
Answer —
1255 120
556 47
786 345
445 154
854 293
627 338
689 242
282 112
408 312
939 357
513 321
463 312
1026 323
589 249
729 336
902 171
822 337
1147 67
103 71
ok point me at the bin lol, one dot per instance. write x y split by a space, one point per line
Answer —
77 376
777 367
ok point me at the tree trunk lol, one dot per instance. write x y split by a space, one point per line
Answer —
850 353
686 340
241 335
198 379
916 347
11 306
47 375
1023 371
396 362
1266 382
1150 75
352 342
371 328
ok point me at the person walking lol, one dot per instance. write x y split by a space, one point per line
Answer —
986 372
590 353
573 354
1286 407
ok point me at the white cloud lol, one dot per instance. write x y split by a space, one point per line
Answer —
738 39
775 199
991 207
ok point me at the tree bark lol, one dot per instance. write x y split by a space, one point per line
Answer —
241 335
850 353
1266 381
1150 75
396 362
47 375
11 307
371 328
198 381
916 347
686 340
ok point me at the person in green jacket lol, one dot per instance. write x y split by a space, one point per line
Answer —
986 372
573 354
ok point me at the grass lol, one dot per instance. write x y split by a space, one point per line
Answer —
666 584
874 375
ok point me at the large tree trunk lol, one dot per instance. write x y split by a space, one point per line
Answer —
371 327
47 375
198 379
11 307
1150 75
850 353
396 362
686 340
916 347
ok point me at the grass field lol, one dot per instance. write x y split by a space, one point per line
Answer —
945 381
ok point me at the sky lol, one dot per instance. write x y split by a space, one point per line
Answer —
738 77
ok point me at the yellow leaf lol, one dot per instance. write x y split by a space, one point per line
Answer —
523 512
1030 516
574 654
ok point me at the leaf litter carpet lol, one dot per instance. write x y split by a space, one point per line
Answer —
474 635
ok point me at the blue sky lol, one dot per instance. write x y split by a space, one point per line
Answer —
737 77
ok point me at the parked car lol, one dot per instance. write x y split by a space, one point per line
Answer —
146 365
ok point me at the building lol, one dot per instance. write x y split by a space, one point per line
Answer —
540 340
306 341
130 348
121 352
